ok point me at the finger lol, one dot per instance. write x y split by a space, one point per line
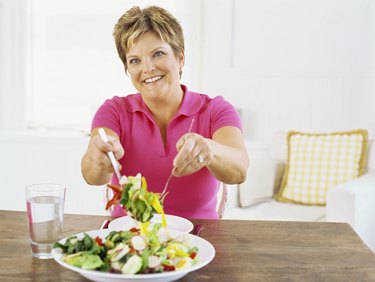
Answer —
190 168
198 158
99 153
184 155
113 145
191 165
117 148
99 159
201 159
182 141
101 145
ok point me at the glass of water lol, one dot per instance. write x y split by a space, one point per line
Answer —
45 214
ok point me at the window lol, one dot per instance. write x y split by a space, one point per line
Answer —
73 62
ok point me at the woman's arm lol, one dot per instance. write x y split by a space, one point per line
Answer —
229 156
96 166
225 155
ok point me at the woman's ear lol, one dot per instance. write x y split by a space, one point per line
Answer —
181 57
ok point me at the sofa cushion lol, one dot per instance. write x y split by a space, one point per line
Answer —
273 210
317 162
263 178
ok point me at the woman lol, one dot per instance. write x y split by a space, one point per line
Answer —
149 131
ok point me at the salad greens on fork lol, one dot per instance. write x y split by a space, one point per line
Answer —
134 197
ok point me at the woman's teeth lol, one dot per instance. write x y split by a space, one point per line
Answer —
152 79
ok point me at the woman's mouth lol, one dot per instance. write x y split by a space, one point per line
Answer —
153 79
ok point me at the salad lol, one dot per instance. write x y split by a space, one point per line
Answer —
136 200
135 251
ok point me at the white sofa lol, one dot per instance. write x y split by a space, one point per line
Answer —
352 202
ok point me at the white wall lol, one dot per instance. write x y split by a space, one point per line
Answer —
40 157
292 64
13 63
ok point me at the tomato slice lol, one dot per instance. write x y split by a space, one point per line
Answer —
168 267
99 241
117 191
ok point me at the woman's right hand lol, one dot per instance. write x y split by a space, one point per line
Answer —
96 166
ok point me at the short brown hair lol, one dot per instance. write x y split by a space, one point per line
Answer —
135 22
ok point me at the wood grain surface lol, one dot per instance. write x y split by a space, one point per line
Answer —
245 251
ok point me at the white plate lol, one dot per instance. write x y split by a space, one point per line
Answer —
206 252
173 223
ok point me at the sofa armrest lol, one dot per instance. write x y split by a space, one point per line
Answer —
353 202
263 180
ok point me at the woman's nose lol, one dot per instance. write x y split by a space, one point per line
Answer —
148 66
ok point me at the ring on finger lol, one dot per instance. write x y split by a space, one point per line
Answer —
200 158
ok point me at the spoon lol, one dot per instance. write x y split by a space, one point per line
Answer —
111 156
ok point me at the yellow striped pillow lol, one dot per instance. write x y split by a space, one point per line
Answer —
317 162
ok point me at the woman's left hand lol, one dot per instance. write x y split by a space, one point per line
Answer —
194 153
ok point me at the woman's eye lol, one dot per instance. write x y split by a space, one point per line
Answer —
133 61
159 53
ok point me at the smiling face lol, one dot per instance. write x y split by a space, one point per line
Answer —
154 68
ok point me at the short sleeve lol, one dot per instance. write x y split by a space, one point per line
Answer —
223 114
108 115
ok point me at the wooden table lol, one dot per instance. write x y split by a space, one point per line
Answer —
245 251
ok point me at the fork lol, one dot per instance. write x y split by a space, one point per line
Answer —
164 193
110 154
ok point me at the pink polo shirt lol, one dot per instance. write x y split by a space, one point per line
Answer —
193 196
